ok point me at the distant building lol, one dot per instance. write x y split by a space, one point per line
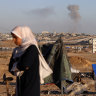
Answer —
74 34
90 41
45 32
94 45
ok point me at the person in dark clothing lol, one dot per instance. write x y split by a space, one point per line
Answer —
24 63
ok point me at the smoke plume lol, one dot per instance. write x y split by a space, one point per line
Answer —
74 14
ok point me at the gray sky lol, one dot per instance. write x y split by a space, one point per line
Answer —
49 15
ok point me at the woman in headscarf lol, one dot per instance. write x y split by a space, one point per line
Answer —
24 62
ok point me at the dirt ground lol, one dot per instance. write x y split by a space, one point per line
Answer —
81 61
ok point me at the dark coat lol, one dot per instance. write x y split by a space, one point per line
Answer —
29 83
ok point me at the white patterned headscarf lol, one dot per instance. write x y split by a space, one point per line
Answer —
27 37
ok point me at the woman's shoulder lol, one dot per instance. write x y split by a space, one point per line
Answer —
31 47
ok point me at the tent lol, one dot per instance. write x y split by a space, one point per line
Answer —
56 57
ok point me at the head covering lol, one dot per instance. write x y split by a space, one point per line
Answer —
27 37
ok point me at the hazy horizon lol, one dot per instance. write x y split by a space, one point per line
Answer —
73 16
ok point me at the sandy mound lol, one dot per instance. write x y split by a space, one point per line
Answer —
80 62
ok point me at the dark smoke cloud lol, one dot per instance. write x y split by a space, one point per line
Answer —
74 14
43 12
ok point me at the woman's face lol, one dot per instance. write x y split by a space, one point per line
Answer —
17 40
